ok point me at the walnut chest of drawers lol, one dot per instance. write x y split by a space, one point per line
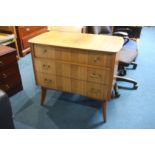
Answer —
76 63
10 80
24 33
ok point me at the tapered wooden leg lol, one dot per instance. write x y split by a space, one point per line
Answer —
104 110
43 95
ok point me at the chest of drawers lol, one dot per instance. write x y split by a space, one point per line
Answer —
10 80
24 33
76 63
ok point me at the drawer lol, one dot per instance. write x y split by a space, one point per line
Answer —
73 71
61 69
7 59
44 51
10 83
99 75
27 30
105 60
5 74
46 80
64 54
97 91
93 90
44 66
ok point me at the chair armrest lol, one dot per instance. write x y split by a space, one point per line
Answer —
120 33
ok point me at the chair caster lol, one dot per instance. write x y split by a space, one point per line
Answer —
135 86
134 66
117 95
122 72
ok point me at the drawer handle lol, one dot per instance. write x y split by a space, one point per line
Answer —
47 81
4 76
27 29
45 51
97 59
46 66
94 75
95 91
7 86
1 63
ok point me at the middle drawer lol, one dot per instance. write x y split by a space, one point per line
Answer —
72 71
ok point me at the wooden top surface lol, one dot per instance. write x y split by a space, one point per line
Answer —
80 41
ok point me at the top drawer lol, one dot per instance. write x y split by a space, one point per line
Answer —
27 30
92 58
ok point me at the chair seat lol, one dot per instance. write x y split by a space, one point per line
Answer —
128 55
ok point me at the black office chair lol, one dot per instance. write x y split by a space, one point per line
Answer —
127 55
6 120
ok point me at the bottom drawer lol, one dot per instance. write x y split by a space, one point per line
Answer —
10 83
92 90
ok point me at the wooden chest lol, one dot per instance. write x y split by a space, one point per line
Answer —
10 80
24 33
76 63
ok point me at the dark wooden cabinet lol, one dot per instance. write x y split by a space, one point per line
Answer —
24 33
10 79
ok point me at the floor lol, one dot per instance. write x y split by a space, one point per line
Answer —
135 109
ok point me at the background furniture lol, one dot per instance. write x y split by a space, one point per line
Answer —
24 33
70 62
9 32
6 121
10 80
66 28
126 56
133 31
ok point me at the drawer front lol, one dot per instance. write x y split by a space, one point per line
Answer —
5 74
26 30
73 71
61 69
46 80
104 60
10 83
44 52
7 60
93 90
97 91
64 54
99 75
44 66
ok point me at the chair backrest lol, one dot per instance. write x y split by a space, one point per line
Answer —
6 121
99 29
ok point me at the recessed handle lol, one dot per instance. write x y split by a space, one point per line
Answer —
95 91
47 80
96 59
94 75
46 66
4 76
45 51
7 86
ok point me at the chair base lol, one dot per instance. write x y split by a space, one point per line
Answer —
124 79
